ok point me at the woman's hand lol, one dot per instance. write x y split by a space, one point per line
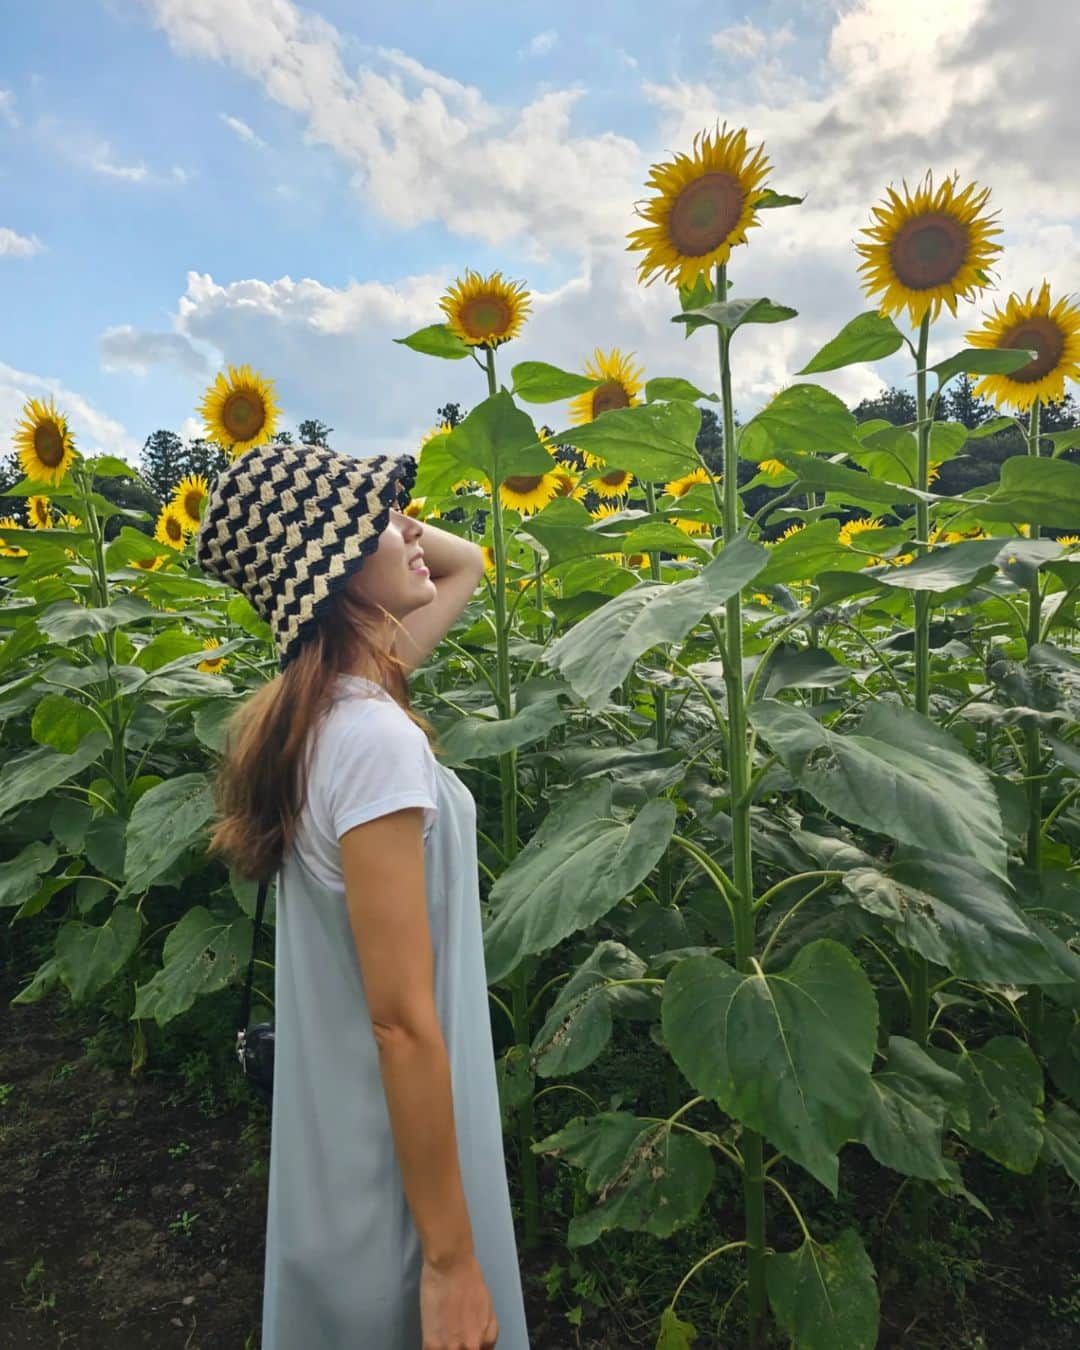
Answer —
455 1308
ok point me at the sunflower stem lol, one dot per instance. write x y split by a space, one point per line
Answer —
919 983
659 697
1033 851
118 770
738 780
519 980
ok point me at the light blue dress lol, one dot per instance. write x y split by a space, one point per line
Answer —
342 1253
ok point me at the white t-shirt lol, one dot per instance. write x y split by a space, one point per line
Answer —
368 759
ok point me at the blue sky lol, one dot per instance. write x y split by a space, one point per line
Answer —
185 183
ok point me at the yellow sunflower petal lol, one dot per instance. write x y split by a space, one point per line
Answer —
704 206
190 497
928 248
485 311
621 385
44 443
169 528
239 410
1052 330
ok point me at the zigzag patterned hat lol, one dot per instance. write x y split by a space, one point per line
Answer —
287 525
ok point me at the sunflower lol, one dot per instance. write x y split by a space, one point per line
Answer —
689 526
772 468
929 249
45 446
432 432
148 564
704 206
189 498
620 388
679 487
489 557
790 532
529 492
604 511
418 510
613 483
73 522
170 528
7 548
759 597
39 510
568 483
485 311
1052 331
213 665
1065 540
239 410
851 528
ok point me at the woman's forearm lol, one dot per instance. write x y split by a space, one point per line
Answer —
416 1079
445 552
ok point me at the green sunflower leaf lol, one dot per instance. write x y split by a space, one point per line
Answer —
666 389
578 866
1004 1095
498 440
164 822
803 417
599 652
1035 491
868 337
537 382
87 958
824 1294
905 1117
787 1053
983 361
732 314
654 441
202 954
898 774
957 915
438 339
649 1177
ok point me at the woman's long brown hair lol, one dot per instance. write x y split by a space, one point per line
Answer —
261 781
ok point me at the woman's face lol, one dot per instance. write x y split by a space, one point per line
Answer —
388 576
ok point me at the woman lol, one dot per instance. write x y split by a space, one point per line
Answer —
389 1223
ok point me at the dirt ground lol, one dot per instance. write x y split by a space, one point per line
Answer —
131 1219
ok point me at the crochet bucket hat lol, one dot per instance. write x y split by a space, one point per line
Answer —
287 525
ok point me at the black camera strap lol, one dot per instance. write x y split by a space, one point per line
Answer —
260 905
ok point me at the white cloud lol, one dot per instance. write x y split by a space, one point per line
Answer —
242 130
94 430
423 147
748 42
7 108
128 348
100 160
542 43
13 245
902 86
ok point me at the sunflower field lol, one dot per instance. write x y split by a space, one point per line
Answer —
786 801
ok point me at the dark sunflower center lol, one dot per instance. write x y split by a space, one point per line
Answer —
522 484
173 528
486 316
243 415
929 251
49 444
705 213
608 396
615 478
1042 335
565 487
192 502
